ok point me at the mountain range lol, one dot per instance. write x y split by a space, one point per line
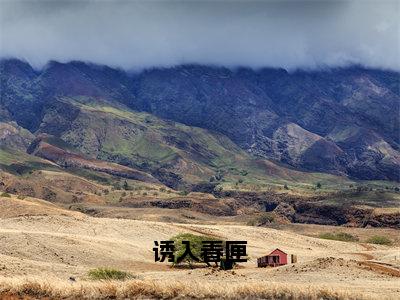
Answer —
191 123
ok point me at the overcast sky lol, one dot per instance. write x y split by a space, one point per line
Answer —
137 34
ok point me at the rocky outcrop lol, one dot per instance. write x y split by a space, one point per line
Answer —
14 137
316 209
286 116
215 207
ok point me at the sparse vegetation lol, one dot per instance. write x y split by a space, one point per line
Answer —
116 186
126 186
338 236
218 189
149 289
5 195
219 175
195 246
380 240
183 193
108 274
244 172
263 218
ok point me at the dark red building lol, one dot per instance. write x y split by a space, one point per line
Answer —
274 259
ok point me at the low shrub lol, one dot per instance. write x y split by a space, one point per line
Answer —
196 244
338 236
183 193
108 274
5 195
379 240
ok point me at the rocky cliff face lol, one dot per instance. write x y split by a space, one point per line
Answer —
294 118
343 121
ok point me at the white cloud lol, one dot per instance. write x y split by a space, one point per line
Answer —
137 34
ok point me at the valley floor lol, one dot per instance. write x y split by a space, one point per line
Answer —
49 248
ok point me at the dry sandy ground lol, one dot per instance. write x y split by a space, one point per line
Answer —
51 242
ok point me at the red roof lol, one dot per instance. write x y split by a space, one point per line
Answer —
278 250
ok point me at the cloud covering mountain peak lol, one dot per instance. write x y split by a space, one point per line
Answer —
139 34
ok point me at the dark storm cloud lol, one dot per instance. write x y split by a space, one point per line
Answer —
136 34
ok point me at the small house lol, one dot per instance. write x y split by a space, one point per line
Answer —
274 259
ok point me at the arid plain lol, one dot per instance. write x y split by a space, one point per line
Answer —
50 250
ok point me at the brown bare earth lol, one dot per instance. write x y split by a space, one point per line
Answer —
67 159
42 246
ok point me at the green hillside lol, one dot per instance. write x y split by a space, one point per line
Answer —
175 152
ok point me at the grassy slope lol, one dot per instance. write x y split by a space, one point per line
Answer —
20 163
147 141
142 140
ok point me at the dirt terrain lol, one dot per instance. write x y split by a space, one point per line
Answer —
40 240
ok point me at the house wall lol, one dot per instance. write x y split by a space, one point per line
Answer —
282 256
263 261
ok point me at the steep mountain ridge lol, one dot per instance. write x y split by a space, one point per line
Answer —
342 121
